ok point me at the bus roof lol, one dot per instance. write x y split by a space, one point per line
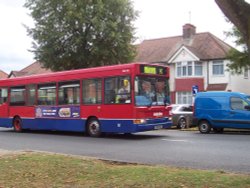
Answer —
73 74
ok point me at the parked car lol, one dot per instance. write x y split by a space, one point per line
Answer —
219 110
182 115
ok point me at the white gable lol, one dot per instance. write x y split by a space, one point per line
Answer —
183 54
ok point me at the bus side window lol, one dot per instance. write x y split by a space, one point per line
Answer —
3 95
31 95
92 91
69 93
47 94
17 96
117 90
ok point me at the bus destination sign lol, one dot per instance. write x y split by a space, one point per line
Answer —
146 69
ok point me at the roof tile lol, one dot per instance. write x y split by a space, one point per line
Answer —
205 46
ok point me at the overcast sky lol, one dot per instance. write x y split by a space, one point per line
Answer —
157 19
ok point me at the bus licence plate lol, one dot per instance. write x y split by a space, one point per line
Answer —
158 127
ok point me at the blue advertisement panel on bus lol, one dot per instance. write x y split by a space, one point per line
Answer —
72 112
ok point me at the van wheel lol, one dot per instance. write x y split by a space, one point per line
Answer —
218 130
204 127
17 124
182 123
94 128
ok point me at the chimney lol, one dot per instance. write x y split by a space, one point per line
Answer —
188 31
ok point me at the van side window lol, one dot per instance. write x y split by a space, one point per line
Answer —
3 95
238 103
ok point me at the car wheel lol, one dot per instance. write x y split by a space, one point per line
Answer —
204 127
182 123
17 124
218 130
94 128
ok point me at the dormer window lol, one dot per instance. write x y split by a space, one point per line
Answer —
189 69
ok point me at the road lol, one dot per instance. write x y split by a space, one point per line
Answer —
226 152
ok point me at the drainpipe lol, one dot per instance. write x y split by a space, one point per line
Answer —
207 74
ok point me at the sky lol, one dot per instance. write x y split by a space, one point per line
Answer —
157 19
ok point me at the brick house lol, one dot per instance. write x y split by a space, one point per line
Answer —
3 74
34 68
194 59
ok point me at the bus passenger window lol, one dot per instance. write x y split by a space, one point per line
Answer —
117 90
47 94
69 93
31 95
17 96
3 95
92 91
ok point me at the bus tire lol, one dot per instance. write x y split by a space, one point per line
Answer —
17 124
94 127
204 127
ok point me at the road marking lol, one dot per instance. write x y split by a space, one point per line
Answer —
175 140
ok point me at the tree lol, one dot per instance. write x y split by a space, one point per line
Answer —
72 34
238 12
240 59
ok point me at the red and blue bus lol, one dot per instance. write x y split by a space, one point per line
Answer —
109 99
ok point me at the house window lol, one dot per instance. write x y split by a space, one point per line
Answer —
218 68
184 97
198 69
189 69
179 69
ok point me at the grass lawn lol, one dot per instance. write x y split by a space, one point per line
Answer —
53 170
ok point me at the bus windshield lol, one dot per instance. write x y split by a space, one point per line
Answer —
151 91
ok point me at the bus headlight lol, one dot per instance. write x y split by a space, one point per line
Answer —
139 121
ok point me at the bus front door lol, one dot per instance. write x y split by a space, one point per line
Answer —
3 103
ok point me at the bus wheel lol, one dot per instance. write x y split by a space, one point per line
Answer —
204 127
17 124
94 127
